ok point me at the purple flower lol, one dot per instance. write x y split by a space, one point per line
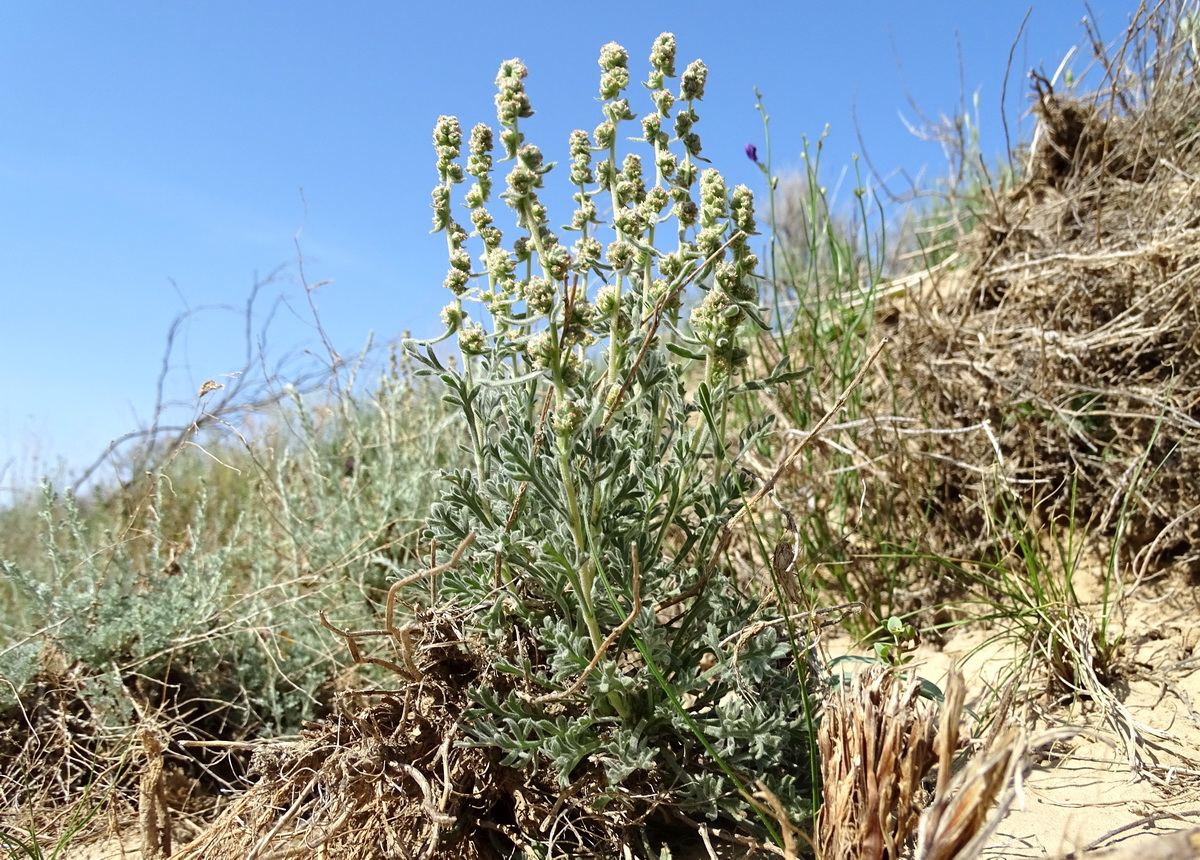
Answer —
752 152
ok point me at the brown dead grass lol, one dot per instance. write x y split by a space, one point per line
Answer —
1052 373
876 743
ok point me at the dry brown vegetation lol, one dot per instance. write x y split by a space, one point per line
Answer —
1057 372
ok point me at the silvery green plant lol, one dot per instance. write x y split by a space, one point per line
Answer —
597 384
211 570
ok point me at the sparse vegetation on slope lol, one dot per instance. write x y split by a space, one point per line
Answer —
572 595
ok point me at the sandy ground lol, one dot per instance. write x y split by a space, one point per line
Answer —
1084 788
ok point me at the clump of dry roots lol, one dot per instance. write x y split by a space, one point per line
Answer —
389 778
385 781
1073 335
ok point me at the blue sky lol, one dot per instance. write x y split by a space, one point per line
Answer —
156 157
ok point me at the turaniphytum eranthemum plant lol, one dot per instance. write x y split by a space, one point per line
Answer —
626 669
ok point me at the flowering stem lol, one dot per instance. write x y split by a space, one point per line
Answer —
563 447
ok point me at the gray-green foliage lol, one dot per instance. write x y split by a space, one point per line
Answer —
211 573
605 467
97 600
99 594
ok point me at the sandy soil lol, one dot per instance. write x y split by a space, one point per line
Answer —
1091 784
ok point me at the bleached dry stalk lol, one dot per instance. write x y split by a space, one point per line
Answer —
966 808
876 744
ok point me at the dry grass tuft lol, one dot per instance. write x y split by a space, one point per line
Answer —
881 742
876 741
